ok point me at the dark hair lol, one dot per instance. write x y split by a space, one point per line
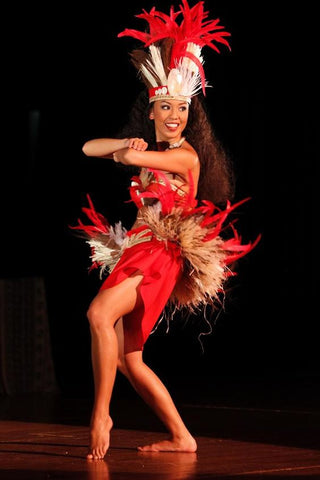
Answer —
216 182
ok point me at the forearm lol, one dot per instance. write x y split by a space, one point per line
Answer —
104 147
178 161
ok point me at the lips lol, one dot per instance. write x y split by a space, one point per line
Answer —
172 126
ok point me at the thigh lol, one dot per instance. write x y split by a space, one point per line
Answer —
119 300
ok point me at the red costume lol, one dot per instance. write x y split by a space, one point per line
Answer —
175 244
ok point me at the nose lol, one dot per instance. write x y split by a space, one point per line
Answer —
174 113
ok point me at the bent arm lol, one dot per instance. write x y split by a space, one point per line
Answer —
106 147
178 161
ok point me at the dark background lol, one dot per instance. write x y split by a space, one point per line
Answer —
67 79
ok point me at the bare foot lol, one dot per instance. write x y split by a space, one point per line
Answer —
187 445
99 439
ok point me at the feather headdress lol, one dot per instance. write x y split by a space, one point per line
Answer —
171 65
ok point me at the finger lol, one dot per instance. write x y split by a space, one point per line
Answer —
142 145
133 143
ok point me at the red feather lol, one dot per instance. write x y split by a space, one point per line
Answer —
192 29
99 222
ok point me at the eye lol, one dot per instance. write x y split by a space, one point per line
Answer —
165 107
183 108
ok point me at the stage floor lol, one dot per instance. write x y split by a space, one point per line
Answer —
45 437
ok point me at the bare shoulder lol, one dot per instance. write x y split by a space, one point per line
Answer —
183 161
191 152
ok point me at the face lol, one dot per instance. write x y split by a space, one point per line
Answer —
170 119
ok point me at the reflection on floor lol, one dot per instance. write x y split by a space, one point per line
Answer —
247 429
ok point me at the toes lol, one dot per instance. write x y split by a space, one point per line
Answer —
147 448
101 454
94 456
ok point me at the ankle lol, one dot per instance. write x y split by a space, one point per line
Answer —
182 435
98 418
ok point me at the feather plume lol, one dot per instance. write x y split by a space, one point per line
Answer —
152 69
188 38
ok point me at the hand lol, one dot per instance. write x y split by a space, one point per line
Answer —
137 144
120 156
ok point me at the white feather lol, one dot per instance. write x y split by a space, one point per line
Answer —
118 233
187 62
185 79
153 69
101 254
155 53
106 257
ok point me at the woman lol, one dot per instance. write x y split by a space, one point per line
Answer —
174 251
111 304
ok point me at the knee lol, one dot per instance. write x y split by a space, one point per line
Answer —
128 366
122 365
132 364
97 320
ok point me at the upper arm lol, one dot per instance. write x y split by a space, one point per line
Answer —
179 160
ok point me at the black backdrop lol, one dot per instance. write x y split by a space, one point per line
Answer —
69 79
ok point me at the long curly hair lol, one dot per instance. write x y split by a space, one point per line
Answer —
216 181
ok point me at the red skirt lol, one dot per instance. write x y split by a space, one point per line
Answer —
160 264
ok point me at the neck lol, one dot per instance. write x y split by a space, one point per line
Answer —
165 145
162 146
177 144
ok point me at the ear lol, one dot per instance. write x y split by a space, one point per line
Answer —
151 115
